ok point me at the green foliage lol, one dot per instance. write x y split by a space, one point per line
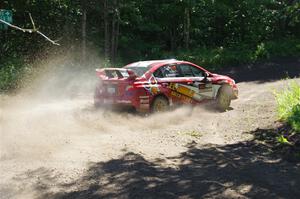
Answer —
210 33
282 140
214 58
283 48
294 119
10 73
260 52
288 105
14 74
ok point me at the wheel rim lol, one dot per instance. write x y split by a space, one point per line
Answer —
160 106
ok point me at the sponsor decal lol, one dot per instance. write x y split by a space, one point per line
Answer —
152 86
182 97
186 91
182 89
154 90
196 91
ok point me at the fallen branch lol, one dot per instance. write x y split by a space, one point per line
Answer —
33 30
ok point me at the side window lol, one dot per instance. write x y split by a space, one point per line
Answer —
190 71
158 73
185 70
197 72
166 71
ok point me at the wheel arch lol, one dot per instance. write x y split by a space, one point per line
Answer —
159 95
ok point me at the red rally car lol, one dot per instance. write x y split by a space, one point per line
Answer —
156 85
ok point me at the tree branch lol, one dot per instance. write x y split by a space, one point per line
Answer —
32 22
34 30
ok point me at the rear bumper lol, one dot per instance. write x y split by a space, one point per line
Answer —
106 100
140 103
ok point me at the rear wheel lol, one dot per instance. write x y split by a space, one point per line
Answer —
160 104
224 97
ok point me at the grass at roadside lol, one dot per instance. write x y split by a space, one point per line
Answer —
288 105
283 138
288 109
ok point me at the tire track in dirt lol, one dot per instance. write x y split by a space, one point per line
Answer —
66 134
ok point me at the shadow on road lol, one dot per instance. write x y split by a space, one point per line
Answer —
246 169
264 72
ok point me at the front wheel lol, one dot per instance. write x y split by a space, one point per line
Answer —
224 97
160 104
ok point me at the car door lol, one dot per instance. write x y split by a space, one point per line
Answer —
170 81
180 82
201 83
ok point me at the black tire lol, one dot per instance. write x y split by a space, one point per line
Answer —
224 97
160 104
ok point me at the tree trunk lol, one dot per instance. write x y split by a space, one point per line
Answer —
113 35
114 31
117 33
106 31
83 33
187 24
172 39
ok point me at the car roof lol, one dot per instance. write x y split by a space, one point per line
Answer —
151 63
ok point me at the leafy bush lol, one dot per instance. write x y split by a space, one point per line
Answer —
288 105
10 73
214 58
283 48
294 119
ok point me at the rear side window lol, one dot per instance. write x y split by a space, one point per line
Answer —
166 71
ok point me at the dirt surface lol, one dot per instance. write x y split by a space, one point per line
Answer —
61 147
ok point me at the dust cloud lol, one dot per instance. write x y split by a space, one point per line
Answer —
54 116
57 107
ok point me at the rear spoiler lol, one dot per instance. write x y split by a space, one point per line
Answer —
119 73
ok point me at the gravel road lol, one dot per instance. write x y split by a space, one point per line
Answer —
64 148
